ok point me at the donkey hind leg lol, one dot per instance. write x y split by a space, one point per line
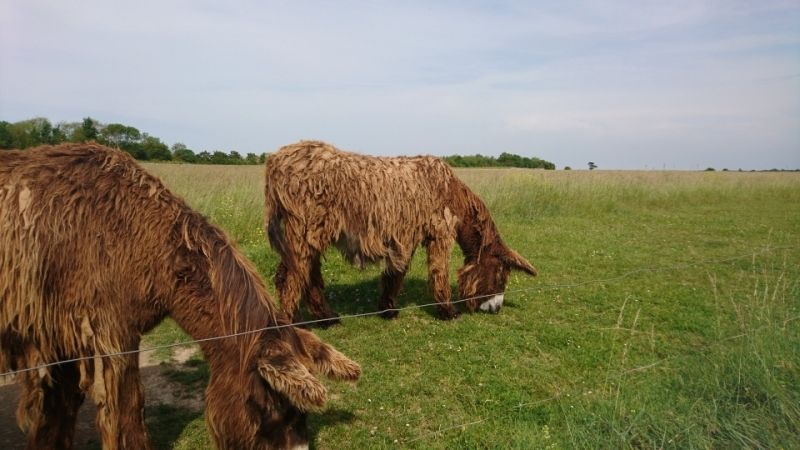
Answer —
439 276
120 405
293 277
291 286
49 409
391 282
317 304
288 294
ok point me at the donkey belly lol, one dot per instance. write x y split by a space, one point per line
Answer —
353 251
361 251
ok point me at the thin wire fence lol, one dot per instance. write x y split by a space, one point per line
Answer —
624 275
441 431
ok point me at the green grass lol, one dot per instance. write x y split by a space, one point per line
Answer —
704 354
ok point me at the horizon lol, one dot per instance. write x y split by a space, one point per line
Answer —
230 152
628 85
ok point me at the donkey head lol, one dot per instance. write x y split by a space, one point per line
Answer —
264 404
483 278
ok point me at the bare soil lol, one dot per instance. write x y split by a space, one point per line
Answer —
159 389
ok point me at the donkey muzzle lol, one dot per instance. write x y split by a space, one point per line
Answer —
493 304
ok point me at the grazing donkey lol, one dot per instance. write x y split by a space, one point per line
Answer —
380 209
94 252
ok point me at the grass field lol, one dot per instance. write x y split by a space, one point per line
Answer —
666 315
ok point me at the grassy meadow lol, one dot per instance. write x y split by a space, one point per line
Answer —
666 315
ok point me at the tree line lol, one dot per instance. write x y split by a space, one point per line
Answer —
504 160
143 146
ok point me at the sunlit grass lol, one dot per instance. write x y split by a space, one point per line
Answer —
695 356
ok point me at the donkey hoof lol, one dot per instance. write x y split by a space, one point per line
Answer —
327 322
390 314
331 321
449 314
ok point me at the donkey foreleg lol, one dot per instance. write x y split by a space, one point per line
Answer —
391 282
290 285
119 396
439 276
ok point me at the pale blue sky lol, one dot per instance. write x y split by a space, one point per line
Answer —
628 85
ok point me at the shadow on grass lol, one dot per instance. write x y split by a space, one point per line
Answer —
166 423
327 418
363 296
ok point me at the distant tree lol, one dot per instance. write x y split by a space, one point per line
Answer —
43 132
88 130
504 160
219 157
57 135
235 158
81 131
709 169
509 160
251 158
29 133
204 157
6 140
567 168
592 165
186 156
120 136
155 149
262 158
69 130
178 146
180 152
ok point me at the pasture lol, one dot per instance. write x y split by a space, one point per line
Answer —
666 315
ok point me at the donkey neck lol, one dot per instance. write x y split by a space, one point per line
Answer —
476 232
223 296
476 240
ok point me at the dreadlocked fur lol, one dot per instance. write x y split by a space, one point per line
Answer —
379 209
94 252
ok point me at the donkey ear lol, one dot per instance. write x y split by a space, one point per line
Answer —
515 261
284 373
326 359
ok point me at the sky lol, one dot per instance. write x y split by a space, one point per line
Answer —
626 85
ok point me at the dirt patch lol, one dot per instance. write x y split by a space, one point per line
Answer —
182 354
160 388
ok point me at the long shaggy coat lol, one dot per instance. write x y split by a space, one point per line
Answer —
94 252
379 209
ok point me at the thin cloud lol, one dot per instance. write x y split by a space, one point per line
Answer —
559 80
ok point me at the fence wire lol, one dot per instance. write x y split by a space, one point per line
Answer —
624 275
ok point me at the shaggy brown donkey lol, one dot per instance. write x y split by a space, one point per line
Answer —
93 253
380 209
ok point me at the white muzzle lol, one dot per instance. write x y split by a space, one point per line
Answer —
493 304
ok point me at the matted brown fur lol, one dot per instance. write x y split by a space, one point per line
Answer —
94 252
378 209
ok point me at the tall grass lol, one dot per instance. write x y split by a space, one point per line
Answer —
702 351
735 389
